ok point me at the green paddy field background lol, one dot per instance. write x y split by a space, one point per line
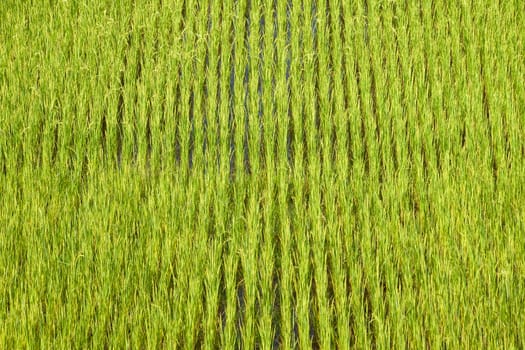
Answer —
248 174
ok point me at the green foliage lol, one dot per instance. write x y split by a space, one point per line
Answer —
301 173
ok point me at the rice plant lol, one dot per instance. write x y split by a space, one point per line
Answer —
273 174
